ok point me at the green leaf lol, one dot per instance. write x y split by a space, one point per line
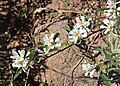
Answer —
38 59
106 53
11 82
47 47
67 29
99 25
117 51
41 84
81 41
116 30
102 51
103 9
66 4
106 80
18 72
114 69
32 53
114 43
41 46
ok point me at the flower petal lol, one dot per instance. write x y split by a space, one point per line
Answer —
58 45
40 51
82 18
57 39
83 32
22 53
52 36
77 19
106 31
28 53
86 73
24 68
76 26
92 72
103 26
31 64
15 54
87 23
13 57
106 21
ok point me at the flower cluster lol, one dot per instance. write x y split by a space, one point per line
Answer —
111 13
88 68
20 60
80 29
111 4
112 7
51 41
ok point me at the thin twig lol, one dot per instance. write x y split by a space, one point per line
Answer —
57 52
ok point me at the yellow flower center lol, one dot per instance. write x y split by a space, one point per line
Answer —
21 62
113 5
109 27
83 23
87 67
77 34
19 58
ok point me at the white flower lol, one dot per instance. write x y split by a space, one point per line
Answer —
39 10
43 52
110 13
51 42
20 55
48 40
76 33
86 66
80 29
82 23
20 61
112 4
89 69
109 24
118 11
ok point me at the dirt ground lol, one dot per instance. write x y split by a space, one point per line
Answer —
19 29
